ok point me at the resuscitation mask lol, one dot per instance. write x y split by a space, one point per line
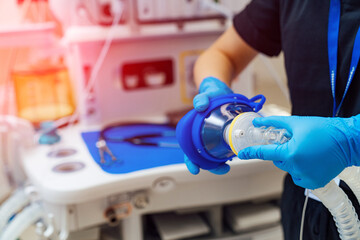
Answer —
216 135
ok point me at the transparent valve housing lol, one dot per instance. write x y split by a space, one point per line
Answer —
263 135
241 133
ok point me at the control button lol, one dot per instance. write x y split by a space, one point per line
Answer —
140 200
62 152
131 81
155 79
164 184
68 167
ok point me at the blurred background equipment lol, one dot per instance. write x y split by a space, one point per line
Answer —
71 68
42 88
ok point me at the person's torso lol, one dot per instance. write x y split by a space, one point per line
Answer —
304 32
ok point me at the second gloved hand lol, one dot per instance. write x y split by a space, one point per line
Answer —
210 87
319 148
194 169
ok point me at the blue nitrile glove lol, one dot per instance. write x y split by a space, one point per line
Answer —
319 148
194 169
210 87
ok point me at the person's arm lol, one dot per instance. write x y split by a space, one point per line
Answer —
214 70
225 59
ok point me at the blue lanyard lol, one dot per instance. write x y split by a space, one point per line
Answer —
333 38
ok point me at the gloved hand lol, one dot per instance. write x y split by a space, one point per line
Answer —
319 148
194 169
210 87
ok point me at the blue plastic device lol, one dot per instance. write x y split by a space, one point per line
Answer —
200 134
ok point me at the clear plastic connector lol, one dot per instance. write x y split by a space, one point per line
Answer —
241 133
269 135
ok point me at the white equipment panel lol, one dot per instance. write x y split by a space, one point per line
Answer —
79 193
96 12
145 74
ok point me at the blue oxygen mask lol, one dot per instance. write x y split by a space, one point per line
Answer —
215 136
214 126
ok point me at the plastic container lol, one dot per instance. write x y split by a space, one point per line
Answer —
43 91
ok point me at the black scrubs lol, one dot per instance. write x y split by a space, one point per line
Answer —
298 28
